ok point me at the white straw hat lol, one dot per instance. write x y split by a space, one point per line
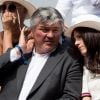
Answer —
85 17
90 22
25 3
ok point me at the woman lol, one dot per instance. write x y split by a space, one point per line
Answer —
14 13
86 39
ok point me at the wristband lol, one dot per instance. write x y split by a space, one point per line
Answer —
20 49
21 52
87 94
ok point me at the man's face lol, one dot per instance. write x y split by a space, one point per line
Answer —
47 37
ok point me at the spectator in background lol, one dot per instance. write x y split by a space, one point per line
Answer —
13 15
51 73
80 9
86 39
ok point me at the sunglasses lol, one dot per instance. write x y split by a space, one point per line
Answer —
10 7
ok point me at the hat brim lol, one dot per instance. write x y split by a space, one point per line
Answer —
30 8
89 24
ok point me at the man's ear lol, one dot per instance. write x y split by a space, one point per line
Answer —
31 35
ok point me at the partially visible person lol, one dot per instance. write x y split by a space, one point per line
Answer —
86 39
51 73
13 15
79 9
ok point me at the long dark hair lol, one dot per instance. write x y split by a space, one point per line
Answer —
91 38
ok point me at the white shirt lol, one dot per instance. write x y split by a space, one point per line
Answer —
91 84
81 9
37 63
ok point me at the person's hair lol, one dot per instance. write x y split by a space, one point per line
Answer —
46 15
91 38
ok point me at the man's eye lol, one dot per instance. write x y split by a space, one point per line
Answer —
44 30
55 31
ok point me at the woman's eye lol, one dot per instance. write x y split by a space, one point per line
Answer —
78 36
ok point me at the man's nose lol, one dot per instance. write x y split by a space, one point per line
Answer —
50 34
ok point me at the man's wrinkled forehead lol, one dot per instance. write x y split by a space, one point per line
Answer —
50 25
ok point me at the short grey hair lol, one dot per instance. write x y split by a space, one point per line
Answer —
45 15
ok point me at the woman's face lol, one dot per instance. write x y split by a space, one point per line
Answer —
11 11
79 43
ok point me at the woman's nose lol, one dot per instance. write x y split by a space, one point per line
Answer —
77 42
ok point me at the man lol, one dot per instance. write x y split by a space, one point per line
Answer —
48 72
14 13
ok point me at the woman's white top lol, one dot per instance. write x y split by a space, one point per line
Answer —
81 9
91 84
